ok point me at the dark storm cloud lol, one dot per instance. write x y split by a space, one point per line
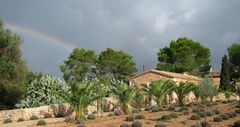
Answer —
139 27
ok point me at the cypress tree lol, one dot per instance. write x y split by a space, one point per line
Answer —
225 76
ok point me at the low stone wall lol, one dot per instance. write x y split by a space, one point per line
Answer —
54 110
41 112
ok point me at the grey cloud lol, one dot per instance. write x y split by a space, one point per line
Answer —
139 27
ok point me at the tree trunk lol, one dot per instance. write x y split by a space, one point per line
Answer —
79 114
125 109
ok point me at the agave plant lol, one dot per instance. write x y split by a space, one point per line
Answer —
81 95
124 92
160 89
183 89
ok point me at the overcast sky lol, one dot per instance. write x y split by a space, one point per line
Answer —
139 27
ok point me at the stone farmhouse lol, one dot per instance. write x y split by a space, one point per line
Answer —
147 77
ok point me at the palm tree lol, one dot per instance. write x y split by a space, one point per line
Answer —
124 92
160 89
81 95
183 89
148 94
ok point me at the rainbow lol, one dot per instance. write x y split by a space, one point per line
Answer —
39 34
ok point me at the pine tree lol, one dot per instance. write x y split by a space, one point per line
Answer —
225 76
12 68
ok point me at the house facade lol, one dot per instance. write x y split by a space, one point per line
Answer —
147 77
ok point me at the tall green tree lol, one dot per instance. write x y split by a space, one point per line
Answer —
79 65
116 64
234 59
225 76
12 67
184 55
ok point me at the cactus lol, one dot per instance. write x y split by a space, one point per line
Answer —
44 90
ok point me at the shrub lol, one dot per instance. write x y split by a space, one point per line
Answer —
171 108
232 114
201 114
91 116
160 109
130 118
41 122
20 120
236 124
118 112
8 120
196 125
165 117
237 111
217 119
209 113
237 106
33 117
154 108
147 108
160 125
224 116
47 115
184 122
44 90
205 124
216 111
174 115
139 116
195 117
135 110
137 124
196 110
229 114
184 112
184 108
125 125
111 114
81 125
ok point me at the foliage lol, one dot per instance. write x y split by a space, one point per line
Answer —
206 88
41 122
137 124
8 120
116 64
160 125
20 120
118 112
165 117
234 59
217 119
79 65
33 117
91 116
225 76
43 90
160 89
81 95
224 116
139 116
174 115
195 117
12 67
134 110
124 92
125 125
236 124
130 118
183 89
184 55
